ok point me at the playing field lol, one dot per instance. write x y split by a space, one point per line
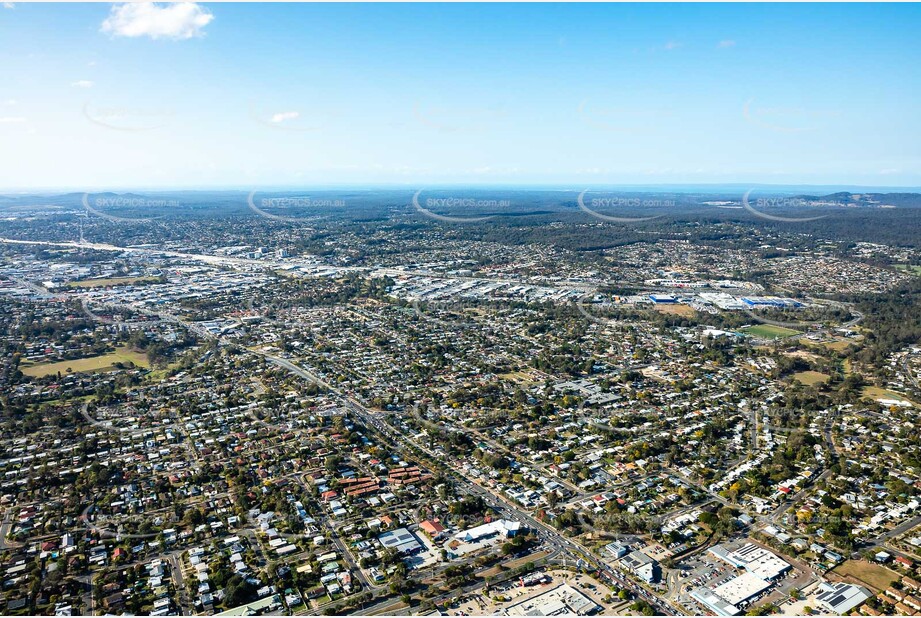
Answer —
810 378
877 393
769 331
875 576
111 281
103 362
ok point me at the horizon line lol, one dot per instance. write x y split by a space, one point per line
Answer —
562 187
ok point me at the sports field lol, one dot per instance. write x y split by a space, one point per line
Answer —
877 393
103 362
810 378
769 331
111 281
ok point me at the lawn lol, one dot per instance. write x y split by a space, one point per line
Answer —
103 362
769 331
909 268
875 576
111 281
811 378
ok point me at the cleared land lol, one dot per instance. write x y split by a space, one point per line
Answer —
909 268
683 310
769 331
811 378
875 576
103 362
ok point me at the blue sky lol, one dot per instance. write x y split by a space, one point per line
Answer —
245 95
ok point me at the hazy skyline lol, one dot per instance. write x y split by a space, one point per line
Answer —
209 95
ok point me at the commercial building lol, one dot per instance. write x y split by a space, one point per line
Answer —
740 589
714 603
643 566
400 540
840 598
560 601
502 527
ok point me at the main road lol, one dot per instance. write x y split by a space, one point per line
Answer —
502 505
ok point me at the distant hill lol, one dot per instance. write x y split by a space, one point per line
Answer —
867 200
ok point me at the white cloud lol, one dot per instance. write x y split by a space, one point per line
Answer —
12 119
672 45
182 20
726 43
283 116
83 83
9 5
